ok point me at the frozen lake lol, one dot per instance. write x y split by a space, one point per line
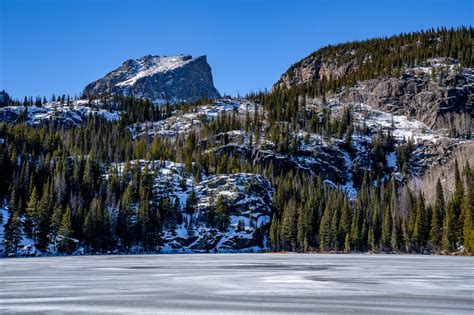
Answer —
238 283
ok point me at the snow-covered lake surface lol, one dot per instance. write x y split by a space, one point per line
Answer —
238 283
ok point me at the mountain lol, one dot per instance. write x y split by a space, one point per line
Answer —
372 157
161 79
426 76
440 94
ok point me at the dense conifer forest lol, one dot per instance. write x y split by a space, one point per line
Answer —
58 181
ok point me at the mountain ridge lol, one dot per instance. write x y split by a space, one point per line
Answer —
373 159
161 79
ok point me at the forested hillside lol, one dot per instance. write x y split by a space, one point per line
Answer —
318 164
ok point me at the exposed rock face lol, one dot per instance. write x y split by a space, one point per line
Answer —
314 68
440 94
193 227
313 153
444 170
447 103
160 79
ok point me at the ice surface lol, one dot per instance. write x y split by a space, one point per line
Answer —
238 284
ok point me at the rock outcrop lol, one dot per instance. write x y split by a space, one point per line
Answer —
444 101
440 93
196 225
315 68
159 79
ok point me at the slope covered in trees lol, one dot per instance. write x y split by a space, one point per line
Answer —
339 65
335 172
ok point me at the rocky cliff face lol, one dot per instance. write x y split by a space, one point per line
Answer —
195 226
160 79
440 93
315 68
328 157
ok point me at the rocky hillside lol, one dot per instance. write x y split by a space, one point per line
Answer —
161 79
359 147
68 115
315 154
425 76
440 94
194 223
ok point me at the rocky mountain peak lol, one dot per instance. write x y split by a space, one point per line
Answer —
162 79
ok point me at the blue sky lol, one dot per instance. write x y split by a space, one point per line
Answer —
59 46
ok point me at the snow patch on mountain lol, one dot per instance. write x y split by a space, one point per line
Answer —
27 245
73 114
326 156
184 122
161 79
400 126
248 197
153 64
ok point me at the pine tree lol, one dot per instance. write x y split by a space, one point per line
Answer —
467 209
347 243
394 237
447 236
42 239
406 241
376 228
124 218
457 199
97 227
438 211
386 229
275 234
56 221
32 215
302 228
222 213
12 234
141 223
325 231
65 241
420 225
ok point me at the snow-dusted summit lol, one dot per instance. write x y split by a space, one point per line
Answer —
161 79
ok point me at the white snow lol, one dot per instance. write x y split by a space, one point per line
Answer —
144 67
400 126
169 179
27 245
185 122
72 114
392 160
4 215
348 187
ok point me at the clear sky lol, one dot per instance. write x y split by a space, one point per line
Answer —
59 46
